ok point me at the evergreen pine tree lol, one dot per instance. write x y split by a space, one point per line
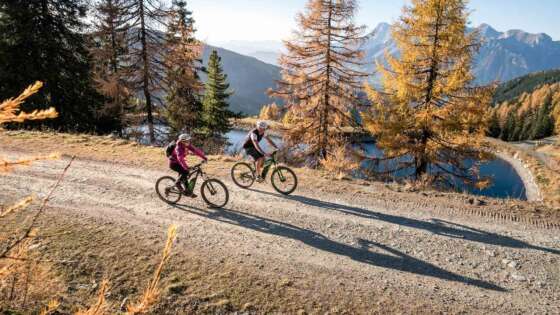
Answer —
215 112
43 40
428 108
544 126
320 80
109 50
183 64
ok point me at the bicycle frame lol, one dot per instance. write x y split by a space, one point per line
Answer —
268 163
196 171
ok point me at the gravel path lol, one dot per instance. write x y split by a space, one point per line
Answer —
354 241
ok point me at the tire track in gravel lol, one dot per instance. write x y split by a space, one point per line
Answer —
412 248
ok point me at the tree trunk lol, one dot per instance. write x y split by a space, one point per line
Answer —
115 68
146 76
325 115
421 162
421 159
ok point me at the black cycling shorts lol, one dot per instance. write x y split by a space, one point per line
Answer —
254 153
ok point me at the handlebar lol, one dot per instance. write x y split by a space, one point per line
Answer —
199 164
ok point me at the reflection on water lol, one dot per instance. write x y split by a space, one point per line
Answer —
506 182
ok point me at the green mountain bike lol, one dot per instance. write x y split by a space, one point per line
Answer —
282 178
213 191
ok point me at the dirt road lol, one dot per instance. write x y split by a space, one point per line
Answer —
359 242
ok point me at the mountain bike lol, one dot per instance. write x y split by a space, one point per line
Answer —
213 191
282 178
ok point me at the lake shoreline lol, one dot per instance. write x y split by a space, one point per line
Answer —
532 190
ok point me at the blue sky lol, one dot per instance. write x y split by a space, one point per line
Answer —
221 20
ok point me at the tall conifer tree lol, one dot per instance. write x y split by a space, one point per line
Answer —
320 80
109 50
215 106
183 64
427 108
42 40
146 42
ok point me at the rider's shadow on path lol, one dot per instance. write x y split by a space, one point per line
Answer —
392 259
438 227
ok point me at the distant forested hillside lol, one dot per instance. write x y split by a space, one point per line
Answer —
527 108
525 84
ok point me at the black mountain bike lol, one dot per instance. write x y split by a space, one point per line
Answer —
213 191
283 179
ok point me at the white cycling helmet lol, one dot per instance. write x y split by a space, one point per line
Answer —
185 137
262 124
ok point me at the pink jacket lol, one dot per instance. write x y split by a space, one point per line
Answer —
180 153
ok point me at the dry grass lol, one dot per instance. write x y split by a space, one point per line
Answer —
100 307
20 205
6 166
340 163
152 292
51 307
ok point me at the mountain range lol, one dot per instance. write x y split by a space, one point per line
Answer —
502 57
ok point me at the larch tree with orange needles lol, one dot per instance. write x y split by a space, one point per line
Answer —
183 63
109 51
320 80
428 114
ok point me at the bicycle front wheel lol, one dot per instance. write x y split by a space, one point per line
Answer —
284 180
214 193
242 175
167 190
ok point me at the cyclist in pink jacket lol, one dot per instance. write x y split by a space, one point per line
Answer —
178 163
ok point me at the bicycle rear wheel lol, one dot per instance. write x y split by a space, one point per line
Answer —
284 180
242 175
167 190
214 193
